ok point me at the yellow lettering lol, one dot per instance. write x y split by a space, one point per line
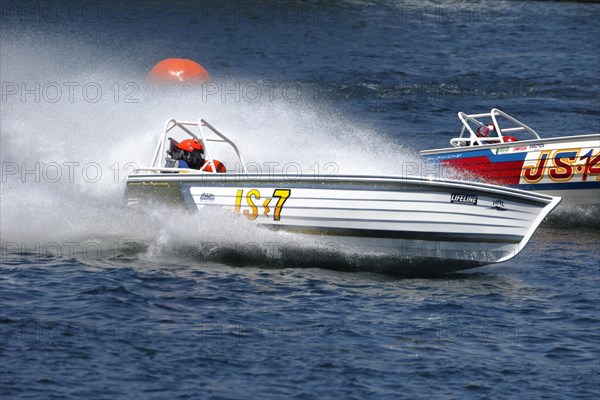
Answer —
256 194
283 195
238 201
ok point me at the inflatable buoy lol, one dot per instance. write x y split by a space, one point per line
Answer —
218 164
178 70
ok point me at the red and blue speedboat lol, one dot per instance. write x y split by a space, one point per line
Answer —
499 149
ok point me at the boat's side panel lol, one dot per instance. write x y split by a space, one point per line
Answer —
571 167
473 223
370 210
393 218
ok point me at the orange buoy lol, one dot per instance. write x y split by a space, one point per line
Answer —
178 70
218 165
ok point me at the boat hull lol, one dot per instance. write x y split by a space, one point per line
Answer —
418 225
568 167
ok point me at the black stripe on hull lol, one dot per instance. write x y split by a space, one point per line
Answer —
406 235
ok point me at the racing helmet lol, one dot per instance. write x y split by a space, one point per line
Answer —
485 130
192 153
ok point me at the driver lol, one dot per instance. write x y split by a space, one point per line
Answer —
192 154
485 131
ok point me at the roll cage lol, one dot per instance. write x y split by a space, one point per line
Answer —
200 130
472 122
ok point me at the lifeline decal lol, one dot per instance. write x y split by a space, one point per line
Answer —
463 198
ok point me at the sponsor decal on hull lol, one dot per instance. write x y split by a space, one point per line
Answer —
541 166
564 165
463 198
207 197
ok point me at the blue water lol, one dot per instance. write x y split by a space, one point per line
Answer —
96 303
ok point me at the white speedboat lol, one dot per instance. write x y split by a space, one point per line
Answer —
425 225
501 150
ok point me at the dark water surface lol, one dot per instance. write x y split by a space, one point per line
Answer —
97 304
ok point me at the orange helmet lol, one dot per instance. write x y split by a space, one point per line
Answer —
190 145
192 153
